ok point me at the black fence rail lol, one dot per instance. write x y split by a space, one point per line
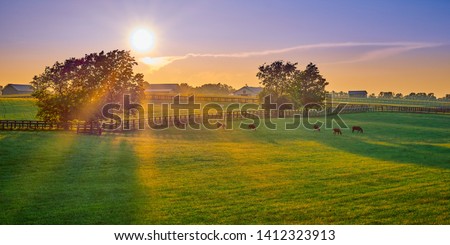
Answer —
169 121
33 125
385 108
89 128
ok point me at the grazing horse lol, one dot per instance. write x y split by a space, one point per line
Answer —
180 123
316 127
357 129
220 125
252 126
337 131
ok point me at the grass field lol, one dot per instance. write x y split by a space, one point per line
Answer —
397 172
26 109
17 108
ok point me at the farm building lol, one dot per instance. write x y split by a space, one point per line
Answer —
13 89
162 88
357 94
1 88
248 91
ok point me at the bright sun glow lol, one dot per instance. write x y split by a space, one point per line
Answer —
142 40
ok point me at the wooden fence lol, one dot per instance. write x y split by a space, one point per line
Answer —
134 124
393 101
89 128
33 125
169 121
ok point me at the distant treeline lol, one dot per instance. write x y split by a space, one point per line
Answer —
392 95
209 88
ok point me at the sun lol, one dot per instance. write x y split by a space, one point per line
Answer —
142 40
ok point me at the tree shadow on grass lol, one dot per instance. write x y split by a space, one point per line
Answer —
397 119
415 142
421 154
203 135
420 139
63 178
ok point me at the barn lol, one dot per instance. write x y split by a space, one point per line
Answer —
357 94
248 91
14 89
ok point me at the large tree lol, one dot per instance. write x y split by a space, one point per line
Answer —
286 83
308 87
79 87
276 78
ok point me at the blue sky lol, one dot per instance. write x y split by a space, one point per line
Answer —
38 33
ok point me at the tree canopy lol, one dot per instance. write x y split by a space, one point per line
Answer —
308 86
78 88
277 78
285 83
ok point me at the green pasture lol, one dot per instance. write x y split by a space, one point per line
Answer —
18 108
26 109
397 172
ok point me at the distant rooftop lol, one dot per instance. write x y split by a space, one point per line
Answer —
21 87
253 89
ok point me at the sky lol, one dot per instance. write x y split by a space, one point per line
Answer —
384 45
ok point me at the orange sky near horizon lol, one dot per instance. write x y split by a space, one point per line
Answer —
414 71
409 72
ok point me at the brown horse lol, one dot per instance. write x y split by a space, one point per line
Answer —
337 131
180 123
357 129
316 127
220 125
252 126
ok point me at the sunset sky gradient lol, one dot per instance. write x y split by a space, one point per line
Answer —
401 46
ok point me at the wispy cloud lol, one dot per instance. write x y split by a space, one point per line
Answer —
382 49
389 50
